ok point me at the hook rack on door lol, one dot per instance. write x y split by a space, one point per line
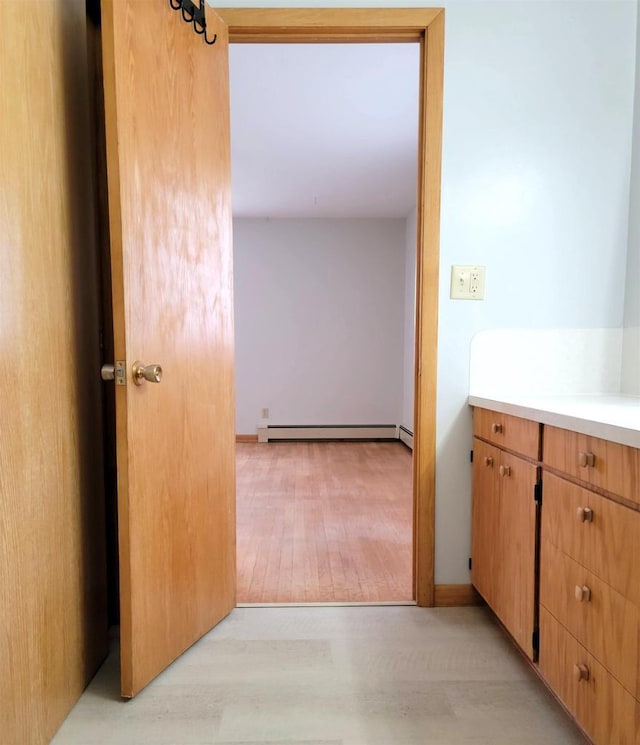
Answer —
192 13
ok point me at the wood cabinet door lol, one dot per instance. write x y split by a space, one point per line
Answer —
516 572
485 521
168 165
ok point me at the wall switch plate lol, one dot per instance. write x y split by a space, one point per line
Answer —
467 282
265 413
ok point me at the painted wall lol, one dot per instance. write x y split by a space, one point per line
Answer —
631 344
319 321
408 374
537 148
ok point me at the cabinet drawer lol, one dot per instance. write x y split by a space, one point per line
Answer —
512 432
600 618
606 711
594 531
606 465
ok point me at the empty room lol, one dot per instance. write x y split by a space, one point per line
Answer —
325 243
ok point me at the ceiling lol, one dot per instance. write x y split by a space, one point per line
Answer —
324 130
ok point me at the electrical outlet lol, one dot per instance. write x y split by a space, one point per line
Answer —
467 282
265 413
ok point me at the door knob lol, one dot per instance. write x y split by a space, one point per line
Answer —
152 373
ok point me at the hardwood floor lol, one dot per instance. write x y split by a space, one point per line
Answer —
324 522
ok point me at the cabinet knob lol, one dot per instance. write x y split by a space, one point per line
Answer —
496 428
580 672
583 593
586 459
488 461
505 470
584 514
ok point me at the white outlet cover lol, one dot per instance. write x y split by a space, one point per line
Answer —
467 282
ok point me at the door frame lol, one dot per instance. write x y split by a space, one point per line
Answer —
380 25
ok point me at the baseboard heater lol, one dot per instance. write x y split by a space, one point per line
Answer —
328 432
406 436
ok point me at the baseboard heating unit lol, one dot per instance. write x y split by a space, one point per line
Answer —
404 435
328 432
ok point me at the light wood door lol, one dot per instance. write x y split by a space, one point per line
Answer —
485 520
168 165
53 623
517 531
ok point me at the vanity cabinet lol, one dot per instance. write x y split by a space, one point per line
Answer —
504 520
590 582
567 575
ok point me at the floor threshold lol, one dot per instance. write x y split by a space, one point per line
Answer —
347 604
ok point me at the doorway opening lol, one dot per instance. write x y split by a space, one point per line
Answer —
325 166
425 26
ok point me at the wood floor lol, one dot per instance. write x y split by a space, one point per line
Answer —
324 522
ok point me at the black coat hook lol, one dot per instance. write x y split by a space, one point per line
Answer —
192 13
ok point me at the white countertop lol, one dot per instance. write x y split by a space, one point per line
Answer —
614 418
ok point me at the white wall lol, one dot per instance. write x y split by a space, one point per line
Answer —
535 185
319 321
408 375
631 345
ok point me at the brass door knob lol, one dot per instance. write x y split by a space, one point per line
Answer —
580 672
584 514
505 470
496 428
583 593
488 461
152 373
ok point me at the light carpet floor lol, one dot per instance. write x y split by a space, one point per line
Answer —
332 676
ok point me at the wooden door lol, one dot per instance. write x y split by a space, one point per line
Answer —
168 166
53 624
485 520
517 551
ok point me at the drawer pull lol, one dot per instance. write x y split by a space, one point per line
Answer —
496 428
584 514
586 459
580 672
505 470
583 594
488 461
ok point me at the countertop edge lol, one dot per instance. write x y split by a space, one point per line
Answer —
587 425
